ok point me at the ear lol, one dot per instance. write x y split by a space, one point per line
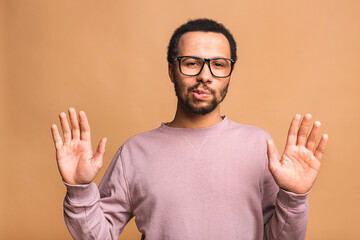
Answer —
171 72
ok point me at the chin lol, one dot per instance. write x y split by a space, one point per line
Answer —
202 109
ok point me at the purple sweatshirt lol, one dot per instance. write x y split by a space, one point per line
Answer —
189 184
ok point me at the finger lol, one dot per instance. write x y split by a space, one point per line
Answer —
99 154
274 163
293 130
65 127
321 147
56 137
313 135
304 128
84 126
75 128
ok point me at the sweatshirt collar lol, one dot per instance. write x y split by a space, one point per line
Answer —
196 131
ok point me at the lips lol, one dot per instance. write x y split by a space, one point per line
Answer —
200 94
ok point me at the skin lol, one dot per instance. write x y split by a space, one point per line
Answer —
296 171
300 163
75 159
206 45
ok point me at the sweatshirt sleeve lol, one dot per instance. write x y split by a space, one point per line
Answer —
99 213
285 213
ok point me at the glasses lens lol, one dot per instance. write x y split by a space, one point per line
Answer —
220 67
191 65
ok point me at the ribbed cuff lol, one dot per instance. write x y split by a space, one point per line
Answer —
81 194
292 200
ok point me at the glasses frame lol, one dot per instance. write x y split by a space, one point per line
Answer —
204 61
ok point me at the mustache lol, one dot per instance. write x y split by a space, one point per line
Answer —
205 87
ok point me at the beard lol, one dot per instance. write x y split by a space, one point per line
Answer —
203 110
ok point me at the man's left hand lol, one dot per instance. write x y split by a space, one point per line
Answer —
299 165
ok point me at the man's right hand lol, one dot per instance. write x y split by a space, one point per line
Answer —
76 161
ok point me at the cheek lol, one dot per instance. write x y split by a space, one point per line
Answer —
181 84
180 88
221 89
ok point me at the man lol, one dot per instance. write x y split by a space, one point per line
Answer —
200 176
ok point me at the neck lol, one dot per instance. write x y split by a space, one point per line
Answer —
184 118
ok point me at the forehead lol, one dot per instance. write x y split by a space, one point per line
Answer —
204 44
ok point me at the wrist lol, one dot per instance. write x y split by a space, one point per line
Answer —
81 193
292 200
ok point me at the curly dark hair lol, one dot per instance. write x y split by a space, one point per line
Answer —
201 25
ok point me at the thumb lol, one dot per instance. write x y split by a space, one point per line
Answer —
274 163
99 154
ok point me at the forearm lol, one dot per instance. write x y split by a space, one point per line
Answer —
290 217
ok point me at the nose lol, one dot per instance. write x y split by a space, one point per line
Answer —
205 75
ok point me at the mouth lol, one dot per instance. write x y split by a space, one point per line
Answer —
200 94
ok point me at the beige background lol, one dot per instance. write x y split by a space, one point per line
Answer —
109 59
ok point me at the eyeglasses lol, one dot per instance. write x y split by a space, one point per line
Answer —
192 65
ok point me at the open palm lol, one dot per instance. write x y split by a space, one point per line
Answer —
76 162
299 165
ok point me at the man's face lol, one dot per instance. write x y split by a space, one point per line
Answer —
201 94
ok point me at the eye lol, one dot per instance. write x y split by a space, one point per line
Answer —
191 62
218 63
